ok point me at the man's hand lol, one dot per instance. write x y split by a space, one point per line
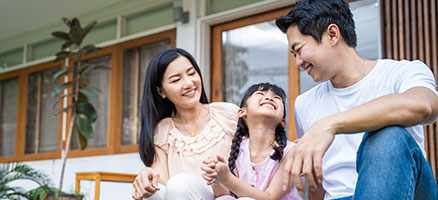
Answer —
306 155
145 184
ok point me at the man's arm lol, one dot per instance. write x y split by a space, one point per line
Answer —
415 106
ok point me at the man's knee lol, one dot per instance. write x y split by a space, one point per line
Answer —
386 143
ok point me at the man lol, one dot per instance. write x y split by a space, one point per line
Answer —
373 108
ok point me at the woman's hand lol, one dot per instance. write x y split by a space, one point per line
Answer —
209 173
145 184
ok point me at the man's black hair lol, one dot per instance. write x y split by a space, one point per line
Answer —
314 16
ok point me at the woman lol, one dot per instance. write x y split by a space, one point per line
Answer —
179 130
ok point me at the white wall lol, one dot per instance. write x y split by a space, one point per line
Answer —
121 163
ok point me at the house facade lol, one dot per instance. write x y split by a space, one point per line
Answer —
236 44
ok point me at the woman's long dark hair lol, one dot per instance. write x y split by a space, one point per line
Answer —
242 128
153 107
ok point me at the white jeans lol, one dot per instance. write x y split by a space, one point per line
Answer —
229 197
184 186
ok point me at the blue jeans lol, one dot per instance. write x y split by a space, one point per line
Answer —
391 166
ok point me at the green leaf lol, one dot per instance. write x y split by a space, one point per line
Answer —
61 35
76 33
90 49
61 55
89 93
75 22
89 27
62 72
66 45
84 125
88 110
82 97
61 88
84 66
41 195
83 141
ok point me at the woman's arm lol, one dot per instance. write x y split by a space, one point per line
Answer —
146 182
160 165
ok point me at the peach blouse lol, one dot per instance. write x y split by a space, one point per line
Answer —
185 153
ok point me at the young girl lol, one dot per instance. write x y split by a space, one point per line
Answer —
258 147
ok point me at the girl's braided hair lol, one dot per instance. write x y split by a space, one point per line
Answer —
242 128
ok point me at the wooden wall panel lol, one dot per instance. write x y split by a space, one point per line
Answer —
410 32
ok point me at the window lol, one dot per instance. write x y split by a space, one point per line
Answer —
241 58
252 50
136 61
42 124
29 126
8 116
99 83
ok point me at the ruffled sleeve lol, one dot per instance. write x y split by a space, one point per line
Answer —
225 114
162 133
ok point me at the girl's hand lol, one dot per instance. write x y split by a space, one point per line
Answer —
209 173
222 170
145 184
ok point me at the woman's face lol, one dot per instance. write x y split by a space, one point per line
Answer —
181 84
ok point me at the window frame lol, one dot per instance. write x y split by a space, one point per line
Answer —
115 112
216 61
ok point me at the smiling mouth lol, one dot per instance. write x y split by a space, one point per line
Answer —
189 92
308 68
269 103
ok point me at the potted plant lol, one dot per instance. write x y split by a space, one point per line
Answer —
76 74
12 172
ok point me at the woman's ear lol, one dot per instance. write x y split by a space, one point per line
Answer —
283 123
161 92
241 113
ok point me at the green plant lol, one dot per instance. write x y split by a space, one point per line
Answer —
41 192
83 113
12 172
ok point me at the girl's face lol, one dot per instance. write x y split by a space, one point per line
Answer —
181 84
265 104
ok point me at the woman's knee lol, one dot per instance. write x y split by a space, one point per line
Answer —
187 186
180 182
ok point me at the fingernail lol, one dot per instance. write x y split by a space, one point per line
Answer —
313 189
284 187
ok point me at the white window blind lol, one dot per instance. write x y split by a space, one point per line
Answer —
136 61
42 125
8 116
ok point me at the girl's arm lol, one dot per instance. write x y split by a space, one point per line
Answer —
242 189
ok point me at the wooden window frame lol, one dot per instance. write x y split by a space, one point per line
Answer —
216 70
115 112
20 140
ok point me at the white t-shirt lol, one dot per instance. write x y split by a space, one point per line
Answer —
387 77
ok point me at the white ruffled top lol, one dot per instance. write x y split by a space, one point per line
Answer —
185 153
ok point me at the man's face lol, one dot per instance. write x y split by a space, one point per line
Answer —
310 55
